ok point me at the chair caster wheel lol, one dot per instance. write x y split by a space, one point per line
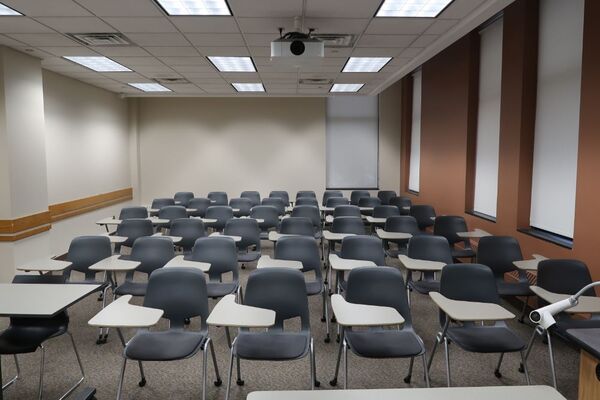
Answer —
327 339
337 338
317 384
497 374
187 321
333 382
142 383
218 383
240 382
102 339
407 378
243 266
521 369
333 319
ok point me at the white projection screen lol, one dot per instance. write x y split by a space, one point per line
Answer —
415 135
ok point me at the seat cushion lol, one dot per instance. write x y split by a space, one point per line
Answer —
384 343
314 287
486 339
220 289
513 289
249 256
29 334
164 345
272 345
132 288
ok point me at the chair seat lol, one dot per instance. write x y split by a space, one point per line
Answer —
513 289
318 235
562 324
220 289
132 288
384 343
424 287
271 345
463 253
248 256
164 345
486 339
314 287
30 333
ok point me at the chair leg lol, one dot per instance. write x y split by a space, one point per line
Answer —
529 347
218 381
204 368
447 361
81 379
312 366
142 381
333 382
435 345
239 381
524 310
524 363
229 374
101 338
410 368
16 378
41 384
551 354
345 351
497 372
121 379
228 336
326 315
426 371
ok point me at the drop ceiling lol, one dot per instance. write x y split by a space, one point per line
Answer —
165 48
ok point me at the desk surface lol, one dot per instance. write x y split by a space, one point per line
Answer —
455 393
385 235
174 239
352 314
344 264
414 264
470 310
219 234
268 262
229 313
332 236
114 263
274 236
588 339
179 261
121 314
529 265
115 221
45 265
40 300
477 233
587 304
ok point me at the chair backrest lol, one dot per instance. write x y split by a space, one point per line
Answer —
346 211
172 212
189 229
564 276
200 204
348 225
356 195
469 282
499 253
252 195
219 198
242 204
378 286
133 212
307 201
448 225
181 293
282 194
152 253
269 215
162 202
85 251
221 213
297 226
300 248
276 202
385 211
402 203
281 290
402 223
369 202
337 201
220 252
306 193
247 228
362 247
386 195
183 197
133 229
331 194
429 247
423 213
311 212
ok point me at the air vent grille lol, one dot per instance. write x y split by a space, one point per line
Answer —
340 40
168 80
101 39
316 81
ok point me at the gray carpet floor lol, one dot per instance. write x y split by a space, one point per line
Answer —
182 379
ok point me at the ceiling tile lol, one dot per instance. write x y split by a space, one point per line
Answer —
142 24
184 60
441 26
337 52
152 69
43 39
166 51
376 51
411 52
259 39
460 8
337 25
220 24
266 25
22 25
399 26
5 40
260 51
266 8
202 75
137 61
217 88
76 24
345 9
37 8
279 76
223 39
122 8
424 40
158 39
69 51
184 88
192 68
129 51
386 40
224 51
125 77
241 77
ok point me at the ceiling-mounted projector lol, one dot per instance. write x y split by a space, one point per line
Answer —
297 45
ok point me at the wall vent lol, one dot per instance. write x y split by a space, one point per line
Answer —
101 39
340 40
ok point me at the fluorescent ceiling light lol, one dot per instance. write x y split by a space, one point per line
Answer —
150 87
412 8
98 63
249 87
6 10
346 87
233 64
195 7
366 64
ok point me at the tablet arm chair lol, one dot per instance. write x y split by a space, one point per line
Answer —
424 214
430 248
189 230
243 205
448 226
331 194
270 217
356 195
199 204
297 226
218 198
249 247
183 198
283 195
386 195
133 229
133 212
251 195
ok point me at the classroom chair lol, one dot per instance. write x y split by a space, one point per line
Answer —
430 248
356 195
306 193
448 226
157 204
312 213
385 196
218 198
133 212
244 205
331 194
385 211
171 213
424 214
403 224
307 201
337 201
282 194
199 204
270 217
297 226
403 203
133 229
249 247
189 230
251 195
183 198
221 213
276 202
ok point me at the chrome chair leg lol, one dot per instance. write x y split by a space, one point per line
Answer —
142 381
551 354
229 374
333 382
326 314
81 379
426 371
121 379
447 361
345 351
497 370
204 368
218 381
16 377
41 384
312 366
524 363
240 381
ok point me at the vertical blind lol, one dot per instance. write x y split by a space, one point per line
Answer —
557 116
415 135
352 142
488 120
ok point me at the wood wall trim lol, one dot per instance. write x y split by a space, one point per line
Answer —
26 234
11 226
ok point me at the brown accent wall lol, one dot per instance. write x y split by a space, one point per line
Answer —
449 107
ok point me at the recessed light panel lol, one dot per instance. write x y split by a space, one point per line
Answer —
346 87
98 63
412 8
366 64
150 87
6 10
195 7
249 87
233 64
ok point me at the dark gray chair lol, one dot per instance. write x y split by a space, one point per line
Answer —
359 247
403 224
356 195
448 226
306 193
199 204
430 248
252 195
218 198
297 226
249 247
283 291
133 229
276 202
353 225
183 198
152 253
385 211
221 213
157 204
133 212
25 335
283 195
378 286
337 201
189 229
386 195
306 250
475 283
331 194
270 217
346 211
307 201
244 205
403 203
171 213
424 214
368 202
181 294
312 213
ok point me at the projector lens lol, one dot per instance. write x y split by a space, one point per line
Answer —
297 47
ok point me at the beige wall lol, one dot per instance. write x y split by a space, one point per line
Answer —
389 138
231 144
